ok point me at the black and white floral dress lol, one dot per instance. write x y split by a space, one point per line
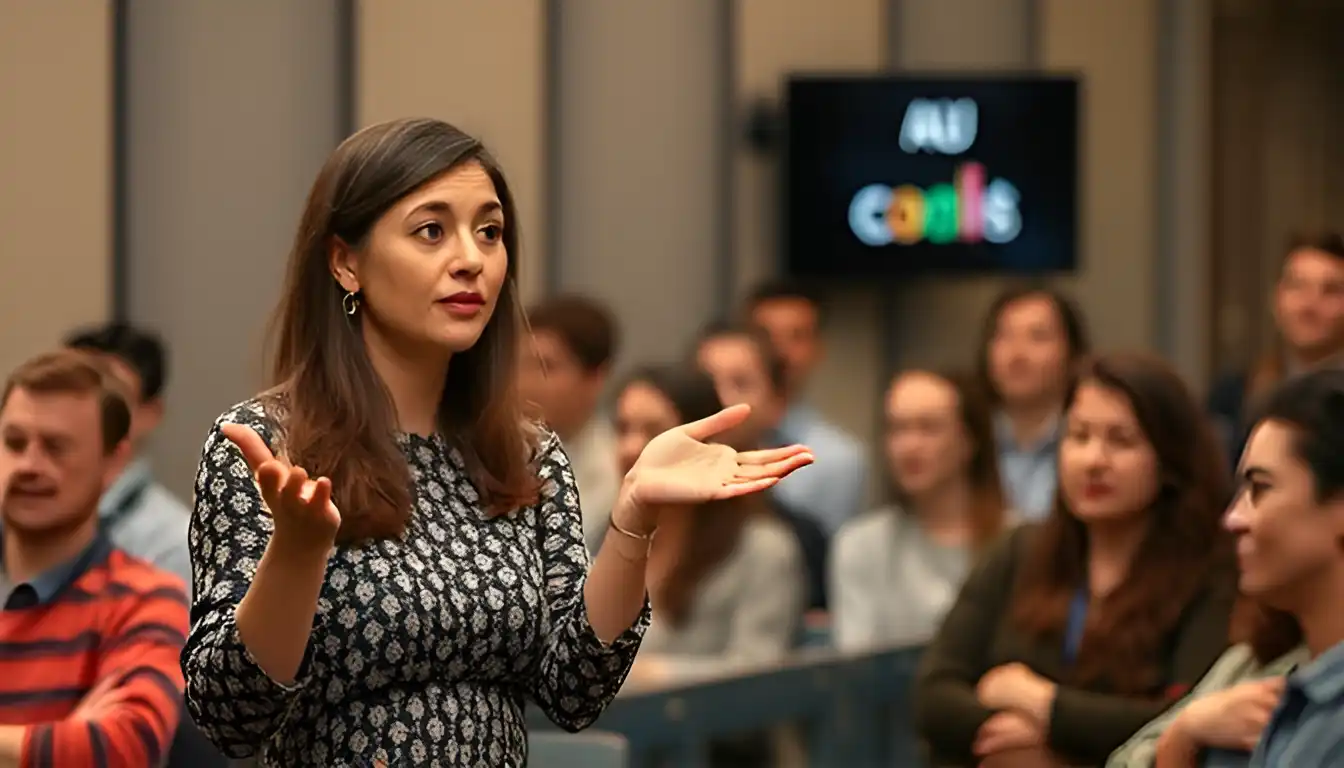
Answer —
424 648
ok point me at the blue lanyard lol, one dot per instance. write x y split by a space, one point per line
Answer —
1073 632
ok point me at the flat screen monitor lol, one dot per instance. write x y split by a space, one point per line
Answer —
900 175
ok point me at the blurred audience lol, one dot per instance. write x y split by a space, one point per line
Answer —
1032 337
746 368
896 570
1309 315
91 635
834 487
725 580
565 370
138 513
1288 517
1072 633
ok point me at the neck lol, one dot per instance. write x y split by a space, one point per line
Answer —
27 557
415 382
944 511
1031 422
1110 550
1318 612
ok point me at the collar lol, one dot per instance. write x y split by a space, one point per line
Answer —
1003 435
126 489
1322 679
797 420
49 584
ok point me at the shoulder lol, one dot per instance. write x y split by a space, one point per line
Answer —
264 414
130 580
872 529
766 538
1004 553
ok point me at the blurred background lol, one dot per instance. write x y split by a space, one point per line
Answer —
155 156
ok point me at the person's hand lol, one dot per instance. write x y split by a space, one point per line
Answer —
98 698
1232 718
677 468
1015 686
1005 731
306 520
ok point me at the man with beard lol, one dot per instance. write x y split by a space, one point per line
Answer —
89 636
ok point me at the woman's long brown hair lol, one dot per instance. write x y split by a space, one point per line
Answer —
714 529
1184 548
336 415
987 516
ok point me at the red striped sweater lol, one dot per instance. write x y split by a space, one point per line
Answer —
92 675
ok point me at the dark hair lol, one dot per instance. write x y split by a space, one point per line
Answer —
1070 321
1270 369
716 527
586 327
141 350
1313 406
72 371
338 418
786 290
766 352
973 410
1184 548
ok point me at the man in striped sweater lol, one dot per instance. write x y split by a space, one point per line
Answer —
89 636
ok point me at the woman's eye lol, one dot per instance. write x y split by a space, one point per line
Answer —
430 232
492 232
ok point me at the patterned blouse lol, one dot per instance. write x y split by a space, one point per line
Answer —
423 648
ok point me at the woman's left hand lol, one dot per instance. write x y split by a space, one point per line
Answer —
679 468
1014 686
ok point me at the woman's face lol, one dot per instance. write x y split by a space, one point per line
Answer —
927 446
642 413
434 265
1029 352
1108 470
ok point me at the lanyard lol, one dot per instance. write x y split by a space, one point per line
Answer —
1073 631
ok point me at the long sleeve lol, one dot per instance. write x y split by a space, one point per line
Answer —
854 592
233 701
1089 726
1235 666
947 713
766 623
576 676
137 690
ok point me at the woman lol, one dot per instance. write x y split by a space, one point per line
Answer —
387 556
1072 634
1033 336
895 571
726 577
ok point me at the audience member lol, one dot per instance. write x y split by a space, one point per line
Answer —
565 370
834 487
1309 315
139 514
1032 337
896 570
91 634
1072 633
746 368
1288 517
725 580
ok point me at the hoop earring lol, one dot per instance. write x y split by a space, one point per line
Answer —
350 303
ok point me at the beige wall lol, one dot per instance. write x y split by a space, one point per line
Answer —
478 65
55 172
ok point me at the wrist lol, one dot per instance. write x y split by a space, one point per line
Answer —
297 552
632 516
1176 748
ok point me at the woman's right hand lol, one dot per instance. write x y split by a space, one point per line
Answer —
305 518
1232 718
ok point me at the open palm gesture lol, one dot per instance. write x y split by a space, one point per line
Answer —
678 467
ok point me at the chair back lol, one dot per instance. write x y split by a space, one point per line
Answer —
591 749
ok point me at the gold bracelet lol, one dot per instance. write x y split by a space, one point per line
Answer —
648 537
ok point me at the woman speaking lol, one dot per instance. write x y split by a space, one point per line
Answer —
388 557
